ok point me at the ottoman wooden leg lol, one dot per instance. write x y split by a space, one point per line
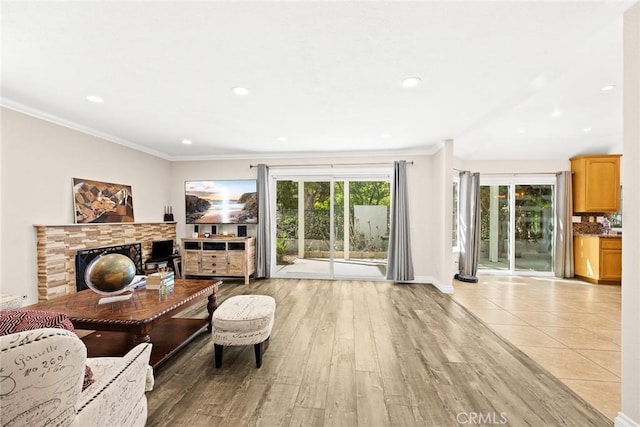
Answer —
258 348
217 351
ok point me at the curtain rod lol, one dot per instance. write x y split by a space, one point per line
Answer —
512 173
331 165
519 173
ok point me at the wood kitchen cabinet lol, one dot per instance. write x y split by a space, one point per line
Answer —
596 183
598 259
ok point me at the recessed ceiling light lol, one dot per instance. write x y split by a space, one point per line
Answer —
521 131
411 82
385 136
556 113
607 87
187 142
281 139
586 130
240 91
95 98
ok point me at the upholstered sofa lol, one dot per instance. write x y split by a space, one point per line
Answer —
43 375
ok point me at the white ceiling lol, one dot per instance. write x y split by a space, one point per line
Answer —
325 75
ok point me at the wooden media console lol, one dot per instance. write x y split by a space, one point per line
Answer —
219 257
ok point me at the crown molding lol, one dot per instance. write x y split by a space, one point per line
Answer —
39 114
427 151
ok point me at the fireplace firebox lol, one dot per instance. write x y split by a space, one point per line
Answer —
85 256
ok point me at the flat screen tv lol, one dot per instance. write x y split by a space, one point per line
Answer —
221 202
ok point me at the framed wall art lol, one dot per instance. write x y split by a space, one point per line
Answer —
96 201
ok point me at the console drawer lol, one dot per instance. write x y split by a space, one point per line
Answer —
214 258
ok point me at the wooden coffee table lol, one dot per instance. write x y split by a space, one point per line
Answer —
145 317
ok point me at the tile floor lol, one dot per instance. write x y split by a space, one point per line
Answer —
570 327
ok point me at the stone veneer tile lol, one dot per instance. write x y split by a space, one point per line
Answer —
57 246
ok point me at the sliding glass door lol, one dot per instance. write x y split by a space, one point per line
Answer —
331 227
516 225
495 229
533 228
362 228
303 228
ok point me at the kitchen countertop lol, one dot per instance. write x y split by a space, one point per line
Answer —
604 236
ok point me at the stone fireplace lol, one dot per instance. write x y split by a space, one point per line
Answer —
57 246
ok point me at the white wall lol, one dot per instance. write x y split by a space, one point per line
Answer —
1 201
43 158
420 189
441 211
630 411
39 160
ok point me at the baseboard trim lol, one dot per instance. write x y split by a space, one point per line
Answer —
430 280
445 289
624 421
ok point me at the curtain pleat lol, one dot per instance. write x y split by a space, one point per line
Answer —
563 257
469 226
263 238
399 262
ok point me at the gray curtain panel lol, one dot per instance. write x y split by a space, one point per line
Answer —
399 262
469 226
563 257
263 239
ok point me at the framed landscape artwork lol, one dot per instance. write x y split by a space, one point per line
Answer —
96 201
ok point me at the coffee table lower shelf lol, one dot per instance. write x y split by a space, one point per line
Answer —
167 338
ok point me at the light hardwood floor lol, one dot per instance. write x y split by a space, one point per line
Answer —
570 327
358 353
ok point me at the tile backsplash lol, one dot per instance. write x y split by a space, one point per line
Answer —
589 223
587 228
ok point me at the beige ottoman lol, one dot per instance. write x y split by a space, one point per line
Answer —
243 320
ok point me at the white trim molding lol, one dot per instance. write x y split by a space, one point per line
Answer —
39 114
624 421
427 150
445 289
